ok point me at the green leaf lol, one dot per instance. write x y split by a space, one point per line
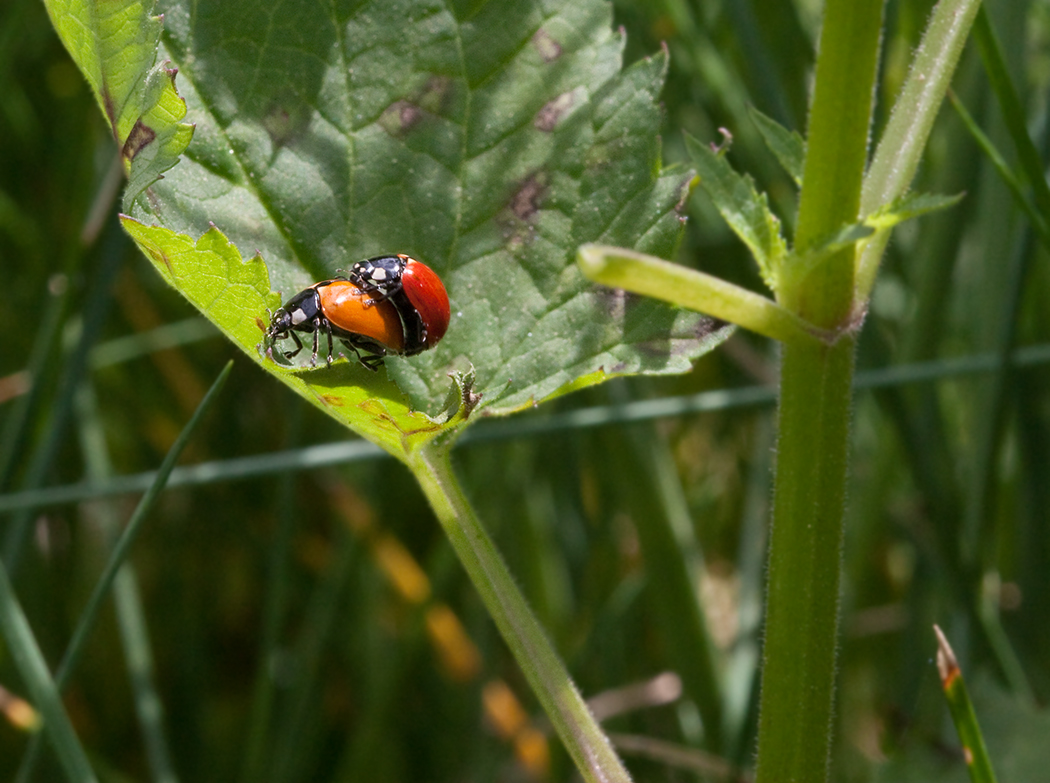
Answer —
743 208
799 266
235 295
487 141
115 46
909 206
788 146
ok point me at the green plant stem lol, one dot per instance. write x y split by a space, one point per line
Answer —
550 681
798 673
836 154
801 634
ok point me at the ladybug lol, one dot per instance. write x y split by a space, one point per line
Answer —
387 304
416 292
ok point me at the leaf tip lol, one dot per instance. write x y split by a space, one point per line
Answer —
463 397
947 663
721 148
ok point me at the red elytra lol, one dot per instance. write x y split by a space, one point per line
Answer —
427 294
414 289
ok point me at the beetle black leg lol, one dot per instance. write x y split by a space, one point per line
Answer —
357 353
371 361
379 298
313 356
329 330
420 332
375 293
298 346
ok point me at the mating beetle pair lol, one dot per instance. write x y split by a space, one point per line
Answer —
387 304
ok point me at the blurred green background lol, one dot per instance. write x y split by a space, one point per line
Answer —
314 625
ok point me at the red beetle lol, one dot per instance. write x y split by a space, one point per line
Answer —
387 304
414 289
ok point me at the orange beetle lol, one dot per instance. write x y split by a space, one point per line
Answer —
387 304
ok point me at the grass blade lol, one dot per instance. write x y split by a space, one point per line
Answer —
89 615
134 527
96 309
963 715
1003 169
657 501
29 661
1013 113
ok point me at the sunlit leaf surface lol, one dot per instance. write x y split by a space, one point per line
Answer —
488 140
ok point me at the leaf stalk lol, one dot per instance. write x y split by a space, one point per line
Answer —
579 731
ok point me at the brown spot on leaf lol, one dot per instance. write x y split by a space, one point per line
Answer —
111 111
548 48
332 399
141 136
553 110
159 256
403 115
517 217
708 325
376 410
435 94
525 203
685 189
614 300
164 259
286 118
400 117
